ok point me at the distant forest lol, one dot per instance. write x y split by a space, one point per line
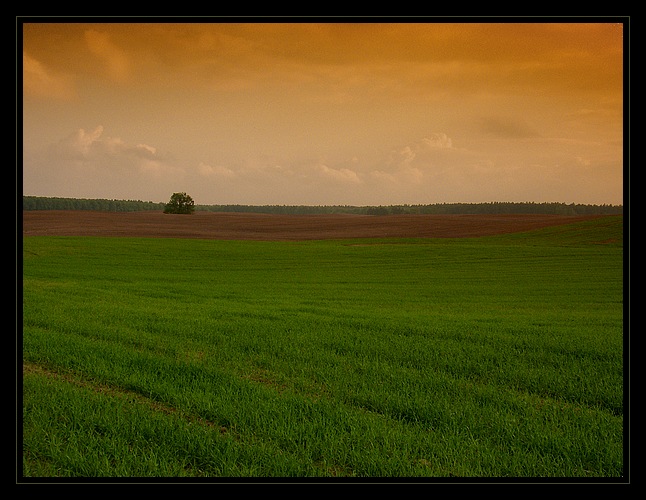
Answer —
47 203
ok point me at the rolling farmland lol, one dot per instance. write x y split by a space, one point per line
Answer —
471 346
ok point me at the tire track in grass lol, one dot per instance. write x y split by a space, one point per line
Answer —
118 392
112 391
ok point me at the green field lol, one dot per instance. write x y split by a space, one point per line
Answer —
483 357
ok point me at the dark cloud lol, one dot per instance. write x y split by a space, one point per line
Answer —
510 128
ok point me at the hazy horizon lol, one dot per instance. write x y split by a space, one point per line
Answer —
360 114
333 205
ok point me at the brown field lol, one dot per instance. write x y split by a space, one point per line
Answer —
243 226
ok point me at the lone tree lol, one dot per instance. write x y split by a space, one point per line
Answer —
180 203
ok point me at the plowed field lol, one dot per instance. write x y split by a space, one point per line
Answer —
243 226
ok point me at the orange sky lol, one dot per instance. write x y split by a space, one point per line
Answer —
324 113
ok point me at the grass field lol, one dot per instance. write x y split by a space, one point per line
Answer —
481 357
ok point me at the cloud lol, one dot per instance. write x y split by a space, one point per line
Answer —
148 148
342 175
264 179
435 170
217 171
255 170
100 165
76 146
507 127
116 61
409 169
92 148
427 152
40 81
438 141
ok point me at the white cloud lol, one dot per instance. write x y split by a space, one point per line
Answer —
407 155
90 163
343 175
83 141
264 180
438 141
101 166
100 152
411 163
39 81
215 171
76 146
148 148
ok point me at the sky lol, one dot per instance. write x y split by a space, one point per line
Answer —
322 113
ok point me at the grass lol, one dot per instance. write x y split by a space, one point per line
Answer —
484 357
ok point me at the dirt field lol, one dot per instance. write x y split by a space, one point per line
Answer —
239 226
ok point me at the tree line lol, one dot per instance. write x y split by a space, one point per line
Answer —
548 208
47 203
553 208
